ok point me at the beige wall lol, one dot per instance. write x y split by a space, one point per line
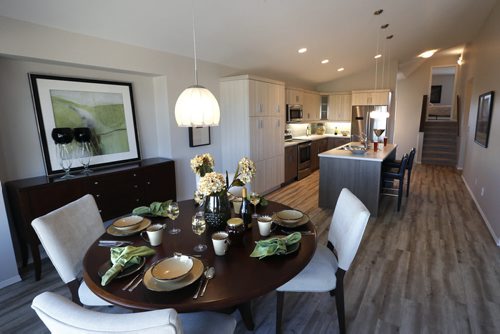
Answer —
482 165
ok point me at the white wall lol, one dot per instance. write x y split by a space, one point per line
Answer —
158 78
482 165
410 91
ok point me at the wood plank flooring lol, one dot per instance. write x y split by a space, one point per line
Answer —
431 268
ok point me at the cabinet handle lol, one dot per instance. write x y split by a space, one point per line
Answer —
260 107
279 123
97 195
135 174
100 211
137 200
135 186
148 182
96 182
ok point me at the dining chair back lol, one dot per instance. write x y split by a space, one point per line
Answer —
326 270
388 177
60 315
66 234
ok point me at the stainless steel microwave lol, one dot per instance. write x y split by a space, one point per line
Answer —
294 113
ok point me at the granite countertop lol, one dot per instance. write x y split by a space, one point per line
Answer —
370 155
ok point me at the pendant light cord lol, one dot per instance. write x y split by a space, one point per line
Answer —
194 47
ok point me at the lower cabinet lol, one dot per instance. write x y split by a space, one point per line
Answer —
117 191
291 163
334 142
317 147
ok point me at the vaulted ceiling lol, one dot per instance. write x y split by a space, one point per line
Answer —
262 36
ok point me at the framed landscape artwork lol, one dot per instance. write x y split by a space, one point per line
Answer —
105 107
484 111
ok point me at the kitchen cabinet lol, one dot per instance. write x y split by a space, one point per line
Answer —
311 106
116 190
339 107
380 97
294 96
317 146
334 142
253 126
291 163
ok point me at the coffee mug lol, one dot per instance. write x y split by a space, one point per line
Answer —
221 242
154 234
265 223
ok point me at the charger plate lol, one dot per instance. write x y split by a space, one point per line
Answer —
155 285
144 224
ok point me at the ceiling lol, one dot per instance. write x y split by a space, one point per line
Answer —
262 36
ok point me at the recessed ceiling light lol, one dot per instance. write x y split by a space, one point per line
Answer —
378 56
302 50
427 54
325 61
340 69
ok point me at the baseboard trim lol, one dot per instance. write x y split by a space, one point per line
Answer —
10 281
486 222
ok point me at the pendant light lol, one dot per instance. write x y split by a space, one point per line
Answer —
196 106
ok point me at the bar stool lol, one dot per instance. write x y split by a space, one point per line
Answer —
388 177
409 167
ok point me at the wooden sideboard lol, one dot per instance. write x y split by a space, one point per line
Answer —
117 191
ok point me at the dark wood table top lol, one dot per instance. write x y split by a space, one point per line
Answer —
238 279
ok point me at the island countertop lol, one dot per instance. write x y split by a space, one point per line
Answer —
370 155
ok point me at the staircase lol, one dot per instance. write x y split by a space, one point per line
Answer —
440 143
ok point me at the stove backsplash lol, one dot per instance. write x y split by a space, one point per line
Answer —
301 129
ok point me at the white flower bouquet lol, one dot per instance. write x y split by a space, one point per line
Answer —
202 164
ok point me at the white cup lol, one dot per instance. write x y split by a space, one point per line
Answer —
265 223
221 242
154 234
237 205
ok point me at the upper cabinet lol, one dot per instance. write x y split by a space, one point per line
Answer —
339 107
380 97
311 106
266 99
294 96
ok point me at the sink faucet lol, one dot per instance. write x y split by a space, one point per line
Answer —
363 139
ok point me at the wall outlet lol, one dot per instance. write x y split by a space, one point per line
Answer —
482 191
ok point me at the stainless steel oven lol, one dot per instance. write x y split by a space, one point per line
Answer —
304 159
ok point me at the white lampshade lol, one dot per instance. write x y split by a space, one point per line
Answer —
197 106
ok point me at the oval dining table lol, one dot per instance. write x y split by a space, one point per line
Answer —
238 279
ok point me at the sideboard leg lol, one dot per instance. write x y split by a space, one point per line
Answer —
35 253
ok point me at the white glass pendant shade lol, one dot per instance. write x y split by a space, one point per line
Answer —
197 106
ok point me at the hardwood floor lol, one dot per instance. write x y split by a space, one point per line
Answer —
431 268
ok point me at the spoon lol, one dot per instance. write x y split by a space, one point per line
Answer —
209 274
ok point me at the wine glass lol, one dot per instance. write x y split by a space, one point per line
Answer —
63 138
173 213
199 225
378 133
82 136
254 199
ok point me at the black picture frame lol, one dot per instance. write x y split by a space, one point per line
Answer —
106 107
436 94
199 136
483 120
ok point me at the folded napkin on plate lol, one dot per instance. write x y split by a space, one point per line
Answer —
275 246
122 257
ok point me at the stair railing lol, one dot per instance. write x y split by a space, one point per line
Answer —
423 113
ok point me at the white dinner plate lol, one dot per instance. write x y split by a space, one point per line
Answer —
155 285
144 224
127 223
290 216
297 223
172 268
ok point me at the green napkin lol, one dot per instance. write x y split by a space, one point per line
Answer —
275 246
122 257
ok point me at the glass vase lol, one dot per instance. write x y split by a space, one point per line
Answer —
217 211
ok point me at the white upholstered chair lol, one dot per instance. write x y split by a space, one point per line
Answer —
326 270
66 234
60 315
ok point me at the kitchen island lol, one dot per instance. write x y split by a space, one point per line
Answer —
360 173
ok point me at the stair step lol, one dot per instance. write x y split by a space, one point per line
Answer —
439 161
439 147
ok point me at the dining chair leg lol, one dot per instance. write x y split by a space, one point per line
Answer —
339 300
280 297
408 183
400 193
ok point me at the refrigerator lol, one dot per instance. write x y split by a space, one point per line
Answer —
361 123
